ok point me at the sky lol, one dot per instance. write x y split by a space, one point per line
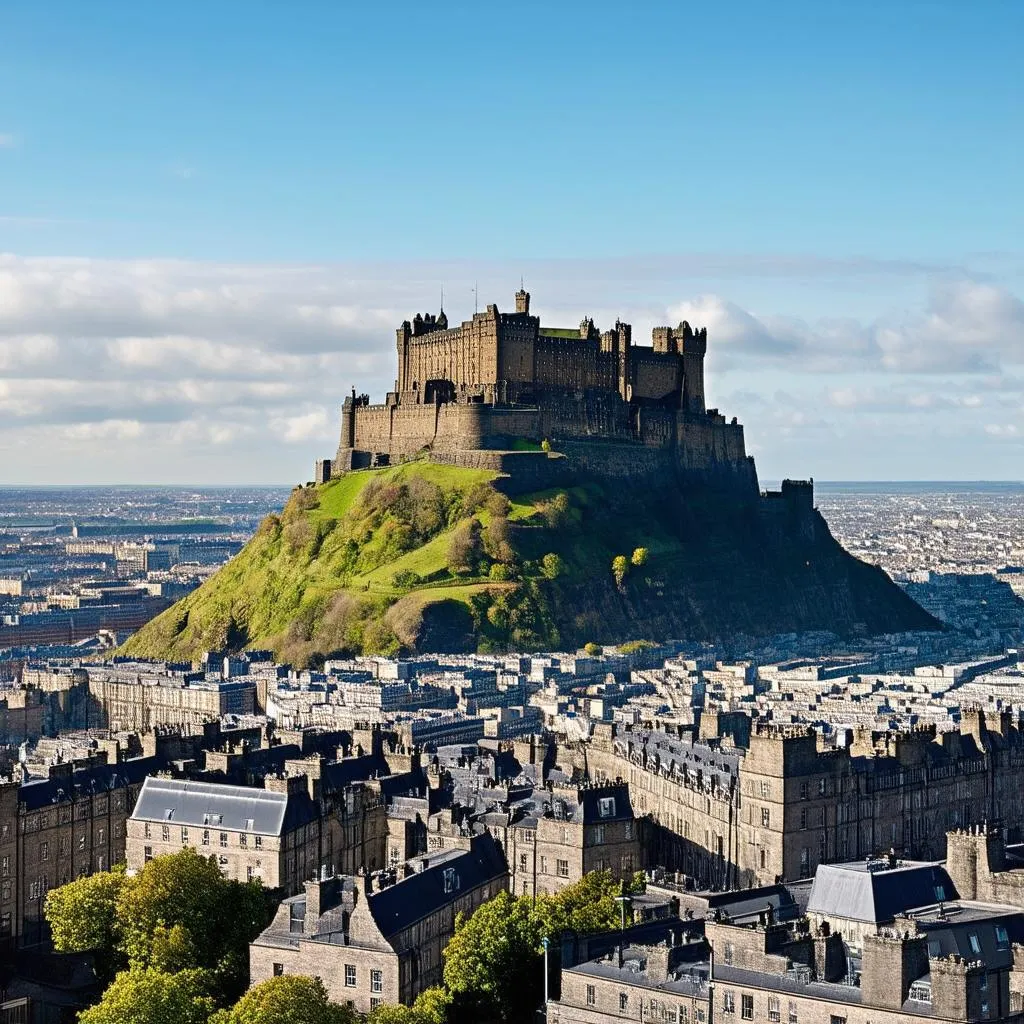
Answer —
214 215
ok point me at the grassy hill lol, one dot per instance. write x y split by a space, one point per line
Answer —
427 557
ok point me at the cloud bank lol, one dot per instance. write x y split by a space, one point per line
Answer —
155 371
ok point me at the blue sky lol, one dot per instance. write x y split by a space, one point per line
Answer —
213 215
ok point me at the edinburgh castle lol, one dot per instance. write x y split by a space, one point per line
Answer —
474 394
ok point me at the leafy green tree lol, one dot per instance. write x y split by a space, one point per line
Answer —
552 565
287 999
492 963
83 918
179 912
620 566
150 996
592 649
557 511
640 556
433 1005
465 547
545 445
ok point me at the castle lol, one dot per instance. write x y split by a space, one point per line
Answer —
479 393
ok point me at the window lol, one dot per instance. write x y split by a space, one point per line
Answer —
165 833
223 839
184 836
940 894
147 853
243 840
766 789
248 824
147 831
793 1019
5 891
374 1002
774 1014
278 970
376 981
629 830
822 784
451 880
543 864
350 975
984 1009
206 837
728 1002
597 836
747 1007
983 983
764 859
606 807
1002 938
623 1002
5 866
212 819
803 817
727 953
81 842
522 862
975 942
766 817
44 851
168 813
259 842
835 1018
563 868
591 996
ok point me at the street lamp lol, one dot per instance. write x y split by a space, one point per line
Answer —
622 901
545 942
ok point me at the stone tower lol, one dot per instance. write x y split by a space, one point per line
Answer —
522 301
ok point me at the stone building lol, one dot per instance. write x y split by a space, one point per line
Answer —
947 959
60 828
470 389
376 938
315 819
579 829
729 816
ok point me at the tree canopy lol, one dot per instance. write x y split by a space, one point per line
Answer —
493 964
287 999
150 996
177 914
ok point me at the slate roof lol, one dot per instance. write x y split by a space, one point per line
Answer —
240 808
853 892
39 793
426 891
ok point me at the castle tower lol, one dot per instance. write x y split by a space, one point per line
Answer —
522 301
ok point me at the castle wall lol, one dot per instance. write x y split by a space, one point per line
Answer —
465 355
575 363
517 347
654 374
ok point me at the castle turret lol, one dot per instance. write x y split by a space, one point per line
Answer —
693 346
522 301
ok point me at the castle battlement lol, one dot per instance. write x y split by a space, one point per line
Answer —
500 379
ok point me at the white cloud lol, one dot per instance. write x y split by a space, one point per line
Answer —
218 371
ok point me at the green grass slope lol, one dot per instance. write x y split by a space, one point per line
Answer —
425 557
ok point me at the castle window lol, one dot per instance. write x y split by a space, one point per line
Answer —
563 868
747 1007
793 1019
766 817
606 806
165 833
223 839
1002 938
728 1002
623 1002
147 831
940 893
206 837
350 975
147 853
774 1013
591 995
376 981
278 970
975 942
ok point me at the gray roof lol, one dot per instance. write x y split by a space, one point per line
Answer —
211 805
854 892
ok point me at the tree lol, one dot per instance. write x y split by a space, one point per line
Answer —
592 649
150 996
586 906
492 963
286 999
620 566
552 565
464 549
556 512
545 445
640 556
167 912
83 918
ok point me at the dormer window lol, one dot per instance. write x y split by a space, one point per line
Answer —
211 818
168 814
606 806
451 880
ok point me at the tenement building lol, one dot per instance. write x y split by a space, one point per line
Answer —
59 828
881 941
728 816
378 937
